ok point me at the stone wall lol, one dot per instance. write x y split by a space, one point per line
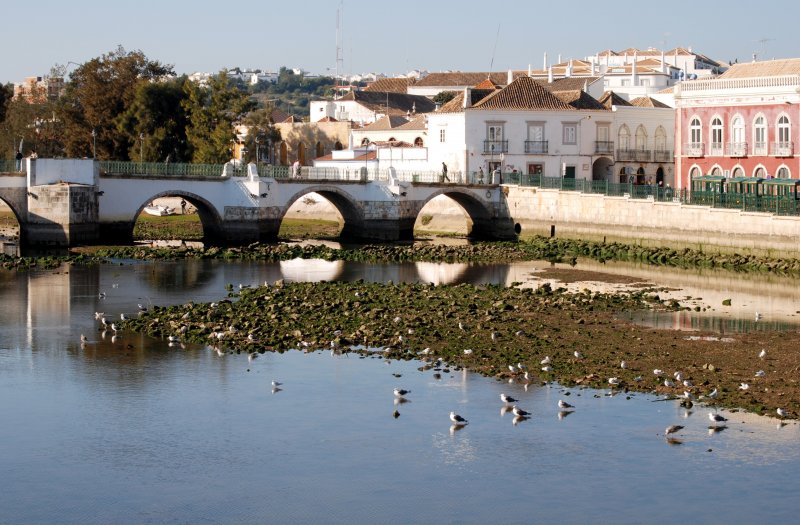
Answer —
594 216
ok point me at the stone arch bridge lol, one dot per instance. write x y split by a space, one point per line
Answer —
69 201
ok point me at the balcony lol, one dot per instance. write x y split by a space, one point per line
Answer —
625 154
760 148
716 149
642 155
536 146
662 155
736 149
694 149
495 146
604 147
783 149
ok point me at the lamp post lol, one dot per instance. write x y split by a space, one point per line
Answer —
94 143
257 150
141 148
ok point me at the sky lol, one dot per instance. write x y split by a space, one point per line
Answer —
386 37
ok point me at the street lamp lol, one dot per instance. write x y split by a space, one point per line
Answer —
141 148
94 143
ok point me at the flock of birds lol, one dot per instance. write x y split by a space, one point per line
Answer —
509 403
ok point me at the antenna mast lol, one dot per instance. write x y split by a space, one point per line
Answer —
339 53
496 38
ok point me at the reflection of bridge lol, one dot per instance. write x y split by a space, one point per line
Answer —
66 202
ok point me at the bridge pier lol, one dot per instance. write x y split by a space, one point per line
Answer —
61 215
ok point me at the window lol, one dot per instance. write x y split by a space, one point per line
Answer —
760 173
626 82
645 82
694 172
737 130
760 136
418 142
494 132
716 171
624 138
442 135
716 136
784 137
365 141
603 133
695 131
570 135
738 172
661 139
641 138
783 173
536 131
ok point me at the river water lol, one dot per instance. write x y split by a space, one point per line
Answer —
129 430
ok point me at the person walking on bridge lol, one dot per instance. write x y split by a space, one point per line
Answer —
444 173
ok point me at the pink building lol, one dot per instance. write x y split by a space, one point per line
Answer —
743 123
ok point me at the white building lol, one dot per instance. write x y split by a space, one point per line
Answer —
365 107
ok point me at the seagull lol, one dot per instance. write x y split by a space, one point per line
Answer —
760 373
98 315
672 429
173 339
758 316
526 376
101 295
546 360
276 383
123 317
783 412
577 355
84 339
669 383
519 412
468 351
743 386
512 369
687 383
623 365
104 321
457 420
142 308
564 405
521 367
547 368
494 336
613 381
761 354
461 326
400 392
114 327
716 418
658 372
507 399
713 394
678 376
252 356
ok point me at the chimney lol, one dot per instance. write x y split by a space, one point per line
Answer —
510 77
569 69
559 58
529 70
545 61
634 79
550 74
663 64
591 60
467 98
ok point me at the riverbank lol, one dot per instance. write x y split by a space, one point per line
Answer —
488 328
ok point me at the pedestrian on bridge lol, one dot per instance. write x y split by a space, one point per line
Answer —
444 173
18 157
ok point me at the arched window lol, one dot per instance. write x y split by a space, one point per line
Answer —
738 172
641 138
661 139
301 153
784 135
365 141
783 173
716 171
320 149
284 154
716 136
760 136
624 138
696 132
337 146
418 142
392 139
737 130
760 173
694 172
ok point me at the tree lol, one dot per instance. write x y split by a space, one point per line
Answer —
155 122
260 128
31 122
97 97
211 111
443 97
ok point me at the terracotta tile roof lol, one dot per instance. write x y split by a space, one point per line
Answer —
456 105
570 83
486 84
386 123
398 103
327 119
390 85
666 90
460 79
522 94
647 102
579 99
767 68
610 98
418 123
278 116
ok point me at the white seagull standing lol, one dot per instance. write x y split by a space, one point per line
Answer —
613 381
507 399
577 355
762 354
563 405
276 383
546 360
783 413
716 418
401 392
743 386
457 420
760 373
672 429
519 412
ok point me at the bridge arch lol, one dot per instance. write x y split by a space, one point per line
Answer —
348 207
7 203
480 213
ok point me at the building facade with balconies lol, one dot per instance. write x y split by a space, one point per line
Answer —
744 123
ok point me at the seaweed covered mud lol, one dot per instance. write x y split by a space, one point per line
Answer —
521 333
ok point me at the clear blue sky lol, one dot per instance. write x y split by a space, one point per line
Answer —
389 37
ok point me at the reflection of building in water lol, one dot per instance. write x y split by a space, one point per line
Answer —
438 273
304 270
50 294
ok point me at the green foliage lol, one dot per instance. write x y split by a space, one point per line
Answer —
444 97
212 110
97 97
292 93
261 130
